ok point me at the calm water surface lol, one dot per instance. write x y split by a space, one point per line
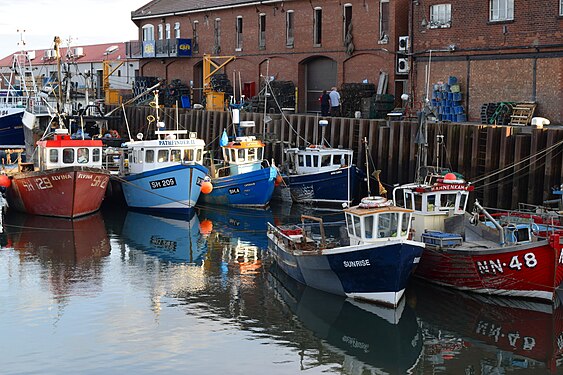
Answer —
129 292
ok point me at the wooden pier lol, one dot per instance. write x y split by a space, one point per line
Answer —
473 150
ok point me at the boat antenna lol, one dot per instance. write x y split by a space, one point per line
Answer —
367 165
421 140
57 41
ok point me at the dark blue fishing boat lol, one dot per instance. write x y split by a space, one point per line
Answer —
373 260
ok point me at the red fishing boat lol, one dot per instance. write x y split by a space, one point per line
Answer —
68 180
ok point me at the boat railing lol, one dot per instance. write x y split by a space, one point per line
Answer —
541 222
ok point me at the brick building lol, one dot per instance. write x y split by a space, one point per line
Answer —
499 50
316 44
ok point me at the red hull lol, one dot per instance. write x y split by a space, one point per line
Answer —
65 192
534 270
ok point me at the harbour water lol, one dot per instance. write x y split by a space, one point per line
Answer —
127 292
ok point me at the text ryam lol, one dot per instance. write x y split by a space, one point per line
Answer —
516 263
356 263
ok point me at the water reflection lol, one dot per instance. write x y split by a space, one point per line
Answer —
477 334
371 338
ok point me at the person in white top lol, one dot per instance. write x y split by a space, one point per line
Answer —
334 102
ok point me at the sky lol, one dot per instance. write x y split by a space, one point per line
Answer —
83 22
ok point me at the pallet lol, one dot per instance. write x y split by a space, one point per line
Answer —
522 114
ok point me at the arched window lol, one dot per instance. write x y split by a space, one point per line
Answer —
148 33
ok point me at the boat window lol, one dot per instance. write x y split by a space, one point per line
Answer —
308 161
53 156
387 224
357 226
431 202
368 225
251 154
199 155
260 153
241 154
418 202
301 161
176 155
405 219
82 156
315 160
188 154
349 224
96 155
408 200
344 160
462 202
447 200
149 156
162 156
325 161
68 155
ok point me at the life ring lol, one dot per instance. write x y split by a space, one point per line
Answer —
374 202
312 146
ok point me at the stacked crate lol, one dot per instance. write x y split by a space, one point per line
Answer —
446 98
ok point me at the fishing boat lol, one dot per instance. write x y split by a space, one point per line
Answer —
372 260
478 252
243 178
163 174
321 175
67 181
21 94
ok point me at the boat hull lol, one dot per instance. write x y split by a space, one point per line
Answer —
326 188
11 127
375 272
173 189
63 192
532 270
250 189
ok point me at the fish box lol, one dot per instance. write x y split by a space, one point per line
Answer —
441 239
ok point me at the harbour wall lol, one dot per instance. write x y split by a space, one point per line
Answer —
525 172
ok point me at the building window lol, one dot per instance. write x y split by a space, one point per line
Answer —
195 37
262 35
148 33
289 28
561 7
347 20
440 16
317 27
217 33
384 21
167 31
239 34
160 33
502 10
177 30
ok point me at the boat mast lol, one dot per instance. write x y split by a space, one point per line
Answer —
367 165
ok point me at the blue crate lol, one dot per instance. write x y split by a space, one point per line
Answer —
452 80
456 96
461 118
441 238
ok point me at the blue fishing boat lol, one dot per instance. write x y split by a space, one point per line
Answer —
373 260
164 174
242 178
175 239
321 175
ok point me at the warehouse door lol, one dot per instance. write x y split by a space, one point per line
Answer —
197 86
321 75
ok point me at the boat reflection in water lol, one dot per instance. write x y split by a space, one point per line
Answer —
71 250
371 338
176 239
505 334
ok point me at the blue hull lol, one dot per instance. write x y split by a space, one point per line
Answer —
11 130
170 239
326 187
171 189
251 189
375 272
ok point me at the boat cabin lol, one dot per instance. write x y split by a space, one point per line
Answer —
242 155
317 159
148 155
377 219
63 151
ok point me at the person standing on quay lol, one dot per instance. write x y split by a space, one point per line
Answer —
325 103
334 103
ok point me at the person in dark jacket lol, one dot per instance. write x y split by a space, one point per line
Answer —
325 103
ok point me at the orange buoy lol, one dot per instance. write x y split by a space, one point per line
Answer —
5 180
206 227
278 181
206 187
450 176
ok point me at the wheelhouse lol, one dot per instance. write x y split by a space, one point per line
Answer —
244 154
377 224
317 159
62 151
